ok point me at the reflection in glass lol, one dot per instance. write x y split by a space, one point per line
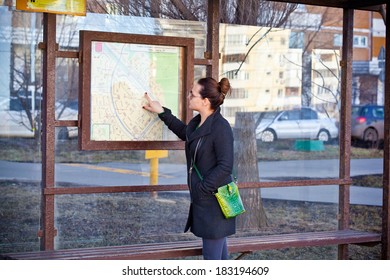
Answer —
20 127
282 127
68 28
67 88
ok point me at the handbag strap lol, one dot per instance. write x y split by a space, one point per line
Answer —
197 172
193 165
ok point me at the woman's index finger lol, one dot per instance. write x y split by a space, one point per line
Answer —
148 97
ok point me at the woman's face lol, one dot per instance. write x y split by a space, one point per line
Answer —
195 100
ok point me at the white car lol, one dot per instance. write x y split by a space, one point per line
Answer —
304 123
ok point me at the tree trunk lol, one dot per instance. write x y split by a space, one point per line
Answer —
306 79
246 170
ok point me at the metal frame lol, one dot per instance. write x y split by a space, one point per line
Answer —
386 155
345 125
49 191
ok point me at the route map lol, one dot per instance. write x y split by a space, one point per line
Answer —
120 75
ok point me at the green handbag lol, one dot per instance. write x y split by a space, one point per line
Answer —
228 197
229 200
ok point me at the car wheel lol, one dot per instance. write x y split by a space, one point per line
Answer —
323 136
371 138
268 135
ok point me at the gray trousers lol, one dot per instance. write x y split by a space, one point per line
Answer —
215 249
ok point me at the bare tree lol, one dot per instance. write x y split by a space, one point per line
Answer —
335 73
26 86
246 12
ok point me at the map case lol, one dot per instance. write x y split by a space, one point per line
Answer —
115 77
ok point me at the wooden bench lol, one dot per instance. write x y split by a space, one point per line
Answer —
193 248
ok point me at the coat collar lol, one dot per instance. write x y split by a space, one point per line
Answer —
206 128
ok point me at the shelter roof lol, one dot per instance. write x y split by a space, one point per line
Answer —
371 5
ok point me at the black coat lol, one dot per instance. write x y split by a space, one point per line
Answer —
214 160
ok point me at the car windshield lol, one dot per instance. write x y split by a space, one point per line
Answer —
290 115
378 112
270 115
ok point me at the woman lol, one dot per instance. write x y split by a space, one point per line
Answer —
209 146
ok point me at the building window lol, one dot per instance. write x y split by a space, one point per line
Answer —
296 40
231 58
231 75
239 93
241 75
358 41
329 73
231 111
292 91
337 40
237 39
327 57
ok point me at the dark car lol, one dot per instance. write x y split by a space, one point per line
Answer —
368 124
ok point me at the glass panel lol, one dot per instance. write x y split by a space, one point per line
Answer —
67 88
288 210
120 219
68 28
199 72
20 209
113 168
20 125
284 108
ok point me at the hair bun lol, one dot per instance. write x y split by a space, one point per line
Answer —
224 85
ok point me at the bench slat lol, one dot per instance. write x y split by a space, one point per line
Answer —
194 247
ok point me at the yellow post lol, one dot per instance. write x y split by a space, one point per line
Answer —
154 155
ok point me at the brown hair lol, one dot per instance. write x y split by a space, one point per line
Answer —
215 92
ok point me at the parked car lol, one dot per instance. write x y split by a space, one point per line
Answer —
304 123
367 124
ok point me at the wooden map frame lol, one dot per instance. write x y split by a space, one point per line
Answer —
186 70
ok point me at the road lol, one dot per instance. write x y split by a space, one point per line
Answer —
118 174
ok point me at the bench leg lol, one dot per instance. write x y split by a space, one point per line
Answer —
243 254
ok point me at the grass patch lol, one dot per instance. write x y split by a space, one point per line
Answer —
373 181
